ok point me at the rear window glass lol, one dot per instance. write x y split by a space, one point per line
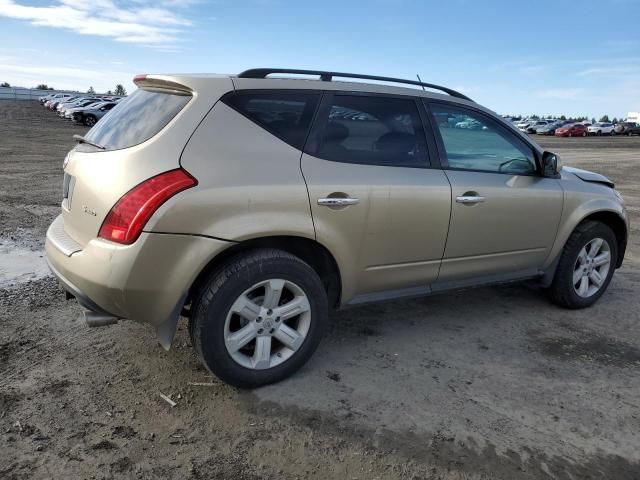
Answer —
285 114
136 119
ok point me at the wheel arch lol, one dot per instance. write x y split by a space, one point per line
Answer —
310 251
616 223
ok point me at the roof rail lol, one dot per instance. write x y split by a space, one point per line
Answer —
328 76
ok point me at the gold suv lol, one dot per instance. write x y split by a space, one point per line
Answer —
252 205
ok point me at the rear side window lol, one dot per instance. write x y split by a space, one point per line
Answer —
285 114
136 119
373 130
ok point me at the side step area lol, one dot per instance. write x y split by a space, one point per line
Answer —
95 319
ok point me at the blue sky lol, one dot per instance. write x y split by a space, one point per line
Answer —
544 57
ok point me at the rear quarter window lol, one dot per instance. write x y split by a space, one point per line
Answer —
285 114
136 119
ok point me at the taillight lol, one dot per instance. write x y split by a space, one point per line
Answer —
129 215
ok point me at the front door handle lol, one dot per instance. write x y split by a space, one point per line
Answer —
338 201
469 199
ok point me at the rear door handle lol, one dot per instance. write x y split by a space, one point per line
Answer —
338 201
469 199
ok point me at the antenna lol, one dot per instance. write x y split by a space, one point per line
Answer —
420 80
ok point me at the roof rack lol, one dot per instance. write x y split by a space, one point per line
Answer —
328 76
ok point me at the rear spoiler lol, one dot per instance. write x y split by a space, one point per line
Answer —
161 82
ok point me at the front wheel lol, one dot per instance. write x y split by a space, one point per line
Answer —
613 133
259 319
584 134
586 266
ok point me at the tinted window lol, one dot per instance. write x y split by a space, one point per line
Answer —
287 114
373 130
472 141
136 119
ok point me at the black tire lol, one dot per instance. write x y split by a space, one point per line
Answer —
613 133
89 120
213 302
599 133
562 290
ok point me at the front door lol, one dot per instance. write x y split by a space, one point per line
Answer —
504 215
376 202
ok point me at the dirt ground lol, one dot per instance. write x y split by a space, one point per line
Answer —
492 383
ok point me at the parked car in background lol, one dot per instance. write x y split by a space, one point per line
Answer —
627 128
154 219
533 126
45 98
48 99
523 124
601 128
90 115
549 128
571 130
81 102
67 102
68 113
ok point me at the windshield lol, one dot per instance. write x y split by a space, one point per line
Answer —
137 118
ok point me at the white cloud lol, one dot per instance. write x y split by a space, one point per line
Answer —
561 93
147 23
610 71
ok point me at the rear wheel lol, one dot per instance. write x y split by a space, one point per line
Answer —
90 120
584 134
259 319
599 133
613 133
586 266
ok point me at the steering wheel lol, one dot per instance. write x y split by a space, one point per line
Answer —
526 169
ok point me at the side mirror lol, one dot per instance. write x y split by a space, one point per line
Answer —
551 164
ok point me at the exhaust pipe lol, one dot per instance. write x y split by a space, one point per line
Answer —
94 319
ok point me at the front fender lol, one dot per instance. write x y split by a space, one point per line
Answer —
576 211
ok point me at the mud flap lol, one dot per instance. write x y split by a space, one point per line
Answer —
166 330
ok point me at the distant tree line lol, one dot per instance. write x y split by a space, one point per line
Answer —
119 90
604 118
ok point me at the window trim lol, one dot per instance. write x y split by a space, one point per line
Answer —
444 161
254 91
320 122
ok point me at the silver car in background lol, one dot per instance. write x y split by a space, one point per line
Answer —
90 115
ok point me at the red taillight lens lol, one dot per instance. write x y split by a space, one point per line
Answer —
129 215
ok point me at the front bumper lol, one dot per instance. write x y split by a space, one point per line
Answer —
147 281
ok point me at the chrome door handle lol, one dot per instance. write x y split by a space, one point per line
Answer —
469 199
338 201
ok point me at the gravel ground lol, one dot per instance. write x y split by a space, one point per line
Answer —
491 383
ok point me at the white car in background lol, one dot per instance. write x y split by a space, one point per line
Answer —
601 128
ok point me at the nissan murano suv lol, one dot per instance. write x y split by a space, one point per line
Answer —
254 204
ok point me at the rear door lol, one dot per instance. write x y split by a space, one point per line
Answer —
379 200
504 215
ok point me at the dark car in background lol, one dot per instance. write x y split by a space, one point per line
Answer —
549 128
90 114
627 128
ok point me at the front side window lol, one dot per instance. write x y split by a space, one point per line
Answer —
285 114
373 130
473 141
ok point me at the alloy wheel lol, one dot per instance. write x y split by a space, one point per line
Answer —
592 267
267 324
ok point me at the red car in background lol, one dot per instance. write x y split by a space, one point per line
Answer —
575 130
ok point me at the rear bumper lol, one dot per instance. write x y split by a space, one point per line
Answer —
146 281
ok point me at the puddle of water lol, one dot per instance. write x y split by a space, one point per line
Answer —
19 265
